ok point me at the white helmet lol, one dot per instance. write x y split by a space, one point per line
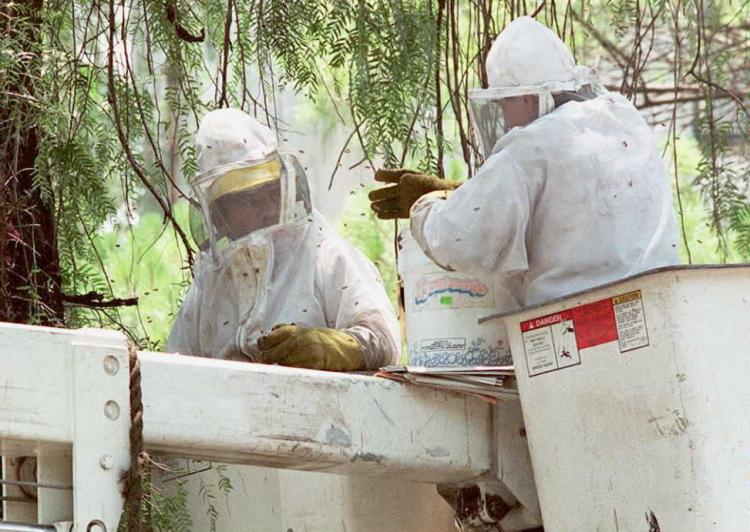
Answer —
527 58
528 53
228 136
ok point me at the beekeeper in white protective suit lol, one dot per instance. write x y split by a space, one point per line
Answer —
572 193
274 283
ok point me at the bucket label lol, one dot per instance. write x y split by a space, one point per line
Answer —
443 344
441 352
631 321
437 291
551 347
554 341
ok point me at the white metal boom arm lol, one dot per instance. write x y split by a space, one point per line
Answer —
64 398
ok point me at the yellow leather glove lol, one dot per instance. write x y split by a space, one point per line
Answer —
312 348
396 201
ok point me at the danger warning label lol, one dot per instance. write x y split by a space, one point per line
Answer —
554 341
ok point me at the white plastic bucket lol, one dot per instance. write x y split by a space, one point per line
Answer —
442 313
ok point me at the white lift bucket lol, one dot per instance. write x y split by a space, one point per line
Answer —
636 402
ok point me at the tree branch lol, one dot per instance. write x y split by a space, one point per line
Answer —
171 9
96 300
223 102
135 165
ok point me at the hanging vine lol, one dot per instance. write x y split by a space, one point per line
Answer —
99 102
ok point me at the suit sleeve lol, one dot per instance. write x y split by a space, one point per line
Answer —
481 227
355 301
183 337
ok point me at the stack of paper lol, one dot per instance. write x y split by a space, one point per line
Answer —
488 382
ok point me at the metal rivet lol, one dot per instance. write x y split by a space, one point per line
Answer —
112 410
111 365
106 461
96 526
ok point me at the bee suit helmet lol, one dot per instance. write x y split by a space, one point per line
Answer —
244 185
267 257
250 215
526 60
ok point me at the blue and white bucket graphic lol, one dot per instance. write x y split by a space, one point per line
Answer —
442 310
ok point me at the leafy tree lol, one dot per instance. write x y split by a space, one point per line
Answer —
99 101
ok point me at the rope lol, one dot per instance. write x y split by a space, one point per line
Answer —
132 478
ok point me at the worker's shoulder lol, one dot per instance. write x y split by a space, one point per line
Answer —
611 108
607 114
333 249
330 244
562 132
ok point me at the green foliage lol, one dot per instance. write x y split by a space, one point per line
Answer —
165 504
167 512
375 238
624 14
141 257
706 73
116 108
702 241
162 510
210 492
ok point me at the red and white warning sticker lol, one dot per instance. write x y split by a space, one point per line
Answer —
555 341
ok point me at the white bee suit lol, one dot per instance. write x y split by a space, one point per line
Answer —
577 198
295 271
315 279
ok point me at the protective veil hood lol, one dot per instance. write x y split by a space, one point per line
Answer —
526 59
245 185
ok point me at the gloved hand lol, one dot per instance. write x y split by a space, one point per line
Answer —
396 201
312 348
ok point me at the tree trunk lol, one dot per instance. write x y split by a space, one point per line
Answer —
30 289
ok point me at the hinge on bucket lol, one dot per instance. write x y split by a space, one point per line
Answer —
487 507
